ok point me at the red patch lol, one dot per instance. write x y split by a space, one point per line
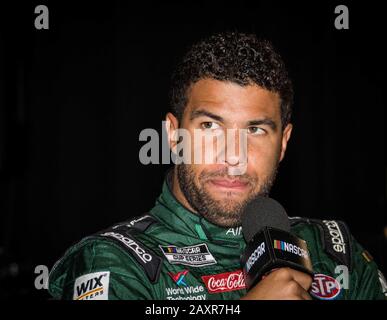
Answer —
179 277
223 282
325 287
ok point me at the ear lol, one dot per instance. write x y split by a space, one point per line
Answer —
285 138
171 126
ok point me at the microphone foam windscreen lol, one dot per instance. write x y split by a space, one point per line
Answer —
263 212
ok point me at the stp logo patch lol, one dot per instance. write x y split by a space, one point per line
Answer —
325 287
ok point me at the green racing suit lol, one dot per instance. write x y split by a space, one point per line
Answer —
171 253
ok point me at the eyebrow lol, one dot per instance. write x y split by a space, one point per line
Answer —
203 113
265 121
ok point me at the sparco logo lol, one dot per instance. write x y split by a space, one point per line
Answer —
336 236
224 282
132 245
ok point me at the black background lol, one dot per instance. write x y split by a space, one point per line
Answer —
74 98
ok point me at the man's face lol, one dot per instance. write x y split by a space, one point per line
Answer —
214 190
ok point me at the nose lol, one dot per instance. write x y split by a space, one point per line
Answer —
236 151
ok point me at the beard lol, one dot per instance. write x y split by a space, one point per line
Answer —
228 211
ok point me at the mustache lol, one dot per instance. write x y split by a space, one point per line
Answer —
222 173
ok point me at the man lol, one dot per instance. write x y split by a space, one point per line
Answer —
189 244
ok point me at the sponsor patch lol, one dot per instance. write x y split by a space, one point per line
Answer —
124 236
336 241
237 231
92 286
194 256
186 293
144 256
224 282
325 287
179 278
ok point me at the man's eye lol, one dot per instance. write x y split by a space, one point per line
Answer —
255 130
209 125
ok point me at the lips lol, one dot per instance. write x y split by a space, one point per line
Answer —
230 184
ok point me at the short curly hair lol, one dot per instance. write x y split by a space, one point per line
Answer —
237 57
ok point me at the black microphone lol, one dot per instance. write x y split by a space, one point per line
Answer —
270 245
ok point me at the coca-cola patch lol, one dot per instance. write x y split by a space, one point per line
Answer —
223 282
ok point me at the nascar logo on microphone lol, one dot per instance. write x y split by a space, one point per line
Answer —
257 253
289 247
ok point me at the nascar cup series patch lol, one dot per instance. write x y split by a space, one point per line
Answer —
325 287
92 286
194 256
